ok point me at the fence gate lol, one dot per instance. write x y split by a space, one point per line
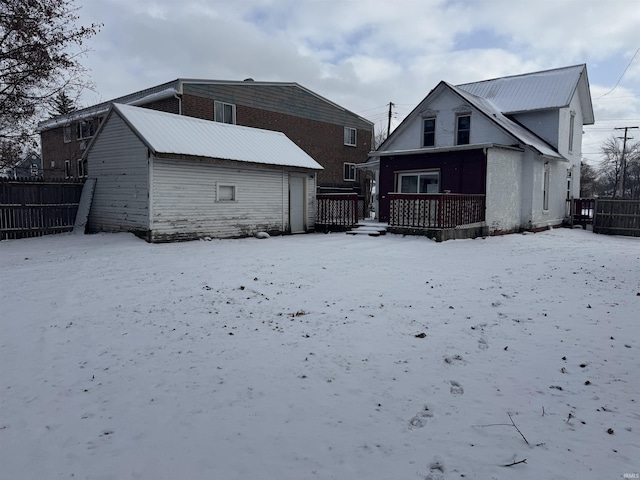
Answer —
31 208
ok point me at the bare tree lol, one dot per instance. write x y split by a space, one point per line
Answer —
588 181
40 51
616 164
379 138
610 168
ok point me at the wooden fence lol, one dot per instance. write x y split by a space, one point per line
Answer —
31 208
617 217
337 210
435 211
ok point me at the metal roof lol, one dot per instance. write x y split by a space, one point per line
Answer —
166 133
531 91
514 129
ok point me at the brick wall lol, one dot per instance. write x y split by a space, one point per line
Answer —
55 151
324 142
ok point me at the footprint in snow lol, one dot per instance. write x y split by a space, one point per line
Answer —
420 419
436 470
456 388
482 344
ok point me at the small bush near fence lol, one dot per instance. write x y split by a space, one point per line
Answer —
31 208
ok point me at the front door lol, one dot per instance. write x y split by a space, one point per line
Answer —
297 217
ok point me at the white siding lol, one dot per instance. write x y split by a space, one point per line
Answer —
311 201
445 106
574 156
541 218
118 160
543 123
185 206
503 200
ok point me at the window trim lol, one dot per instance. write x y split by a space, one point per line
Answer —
458 130
234 189
545 188
67 169
66 133
82 170
418 173
352 139
91 129
572 127
424 120
352 169
217 105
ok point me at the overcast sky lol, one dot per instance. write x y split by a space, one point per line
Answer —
363 54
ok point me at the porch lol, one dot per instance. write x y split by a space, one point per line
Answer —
438 216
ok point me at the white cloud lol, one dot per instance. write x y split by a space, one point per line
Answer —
363 54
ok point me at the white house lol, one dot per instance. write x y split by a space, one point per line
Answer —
514 141
168 177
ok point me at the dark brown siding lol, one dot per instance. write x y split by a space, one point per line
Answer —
460 172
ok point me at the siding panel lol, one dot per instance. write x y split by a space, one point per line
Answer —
118 160
185 206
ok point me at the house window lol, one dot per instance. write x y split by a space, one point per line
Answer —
82 168
428 132
67 169
226 193
66 133
349 172
34 169
545 188
419 182
85 129
572 124
350 136
224 112
463 129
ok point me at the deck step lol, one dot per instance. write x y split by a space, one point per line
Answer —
370 229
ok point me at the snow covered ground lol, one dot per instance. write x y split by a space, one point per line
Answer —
320 357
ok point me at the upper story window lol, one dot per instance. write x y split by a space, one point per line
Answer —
350 136
224 112
463 129
419 182
429 132
82 167
349 172
572 126
66 133
86 129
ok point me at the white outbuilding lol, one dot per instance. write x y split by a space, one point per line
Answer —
168 177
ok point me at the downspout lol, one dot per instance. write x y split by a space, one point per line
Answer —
179 98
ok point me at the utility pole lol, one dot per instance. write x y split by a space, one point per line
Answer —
391 104
623 160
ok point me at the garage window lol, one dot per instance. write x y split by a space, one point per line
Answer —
226 193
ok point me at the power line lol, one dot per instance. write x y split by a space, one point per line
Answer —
625 71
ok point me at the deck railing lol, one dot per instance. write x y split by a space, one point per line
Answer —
429 211
337 210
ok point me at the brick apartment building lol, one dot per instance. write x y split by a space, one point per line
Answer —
332 135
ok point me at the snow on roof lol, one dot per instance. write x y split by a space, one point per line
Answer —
175 134
531 91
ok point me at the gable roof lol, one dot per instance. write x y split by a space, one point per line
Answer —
506 95
536 91
514 129
176 88
166 133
